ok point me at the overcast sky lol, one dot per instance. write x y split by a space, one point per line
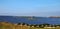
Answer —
30 7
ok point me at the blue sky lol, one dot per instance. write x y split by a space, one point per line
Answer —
30 7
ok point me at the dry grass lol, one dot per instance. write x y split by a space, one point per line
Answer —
12 26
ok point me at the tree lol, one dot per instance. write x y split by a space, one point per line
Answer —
18 23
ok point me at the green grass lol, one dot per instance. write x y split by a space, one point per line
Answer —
1 27
45 28
34 27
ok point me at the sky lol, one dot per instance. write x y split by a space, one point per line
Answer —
30 7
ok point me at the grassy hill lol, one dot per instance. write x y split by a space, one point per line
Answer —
7 25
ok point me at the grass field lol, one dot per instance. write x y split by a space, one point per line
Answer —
12 26
29 28
45 28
